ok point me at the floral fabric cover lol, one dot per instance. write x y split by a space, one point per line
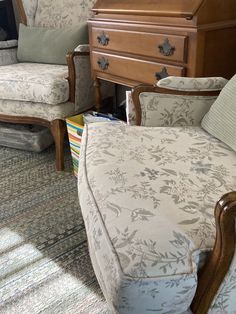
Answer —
57 13
169 110
45 83
8 52
130 109
148 197
48 112
84 91
192 84
84 95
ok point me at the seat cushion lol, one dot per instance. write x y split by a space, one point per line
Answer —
44 83
147 197
44 111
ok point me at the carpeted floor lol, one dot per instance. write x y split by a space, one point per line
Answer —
44 260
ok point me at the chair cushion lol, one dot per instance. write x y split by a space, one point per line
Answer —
220 120
45 83
44 111
43 45
147 197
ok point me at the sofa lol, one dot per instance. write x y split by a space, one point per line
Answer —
159 203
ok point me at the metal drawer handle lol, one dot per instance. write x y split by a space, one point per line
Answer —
103 39
166 49
162 74
103 63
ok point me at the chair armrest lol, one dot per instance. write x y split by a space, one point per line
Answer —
216 280
156 106
81 83
82 90
8 50
83 48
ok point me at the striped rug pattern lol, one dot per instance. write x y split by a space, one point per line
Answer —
44 260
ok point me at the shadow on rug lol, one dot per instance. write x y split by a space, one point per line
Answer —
44 260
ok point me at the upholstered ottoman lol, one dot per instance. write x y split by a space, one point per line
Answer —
147 196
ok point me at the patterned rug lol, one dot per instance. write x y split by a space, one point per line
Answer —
44 259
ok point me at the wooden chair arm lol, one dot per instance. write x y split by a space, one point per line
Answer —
21 12
72 73
213 272
136 91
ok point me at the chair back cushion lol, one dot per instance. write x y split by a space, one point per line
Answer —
57 13
43 45
220 121
193 83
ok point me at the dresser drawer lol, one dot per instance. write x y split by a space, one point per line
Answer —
133 69
168 47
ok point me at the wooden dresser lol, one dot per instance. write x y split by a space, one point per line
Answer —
141 41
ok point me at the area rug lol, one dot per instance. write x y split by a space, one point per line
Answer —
44 260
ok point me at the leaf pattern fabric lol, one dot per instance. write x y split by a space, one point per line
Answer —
38 110
169 110
57 13
8 52
84 98
45 83
84 90
192 83
53 13
148 196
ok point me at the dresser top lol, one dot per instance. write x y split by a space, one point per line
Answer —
178 8
204 10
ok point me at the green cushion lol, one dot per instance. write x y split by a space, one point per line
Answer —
220 121
43 45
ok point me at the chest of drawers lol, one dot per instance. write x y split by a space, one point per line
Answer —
134 41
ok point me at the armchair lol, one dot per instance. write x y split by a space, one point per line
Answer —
46 94
147 195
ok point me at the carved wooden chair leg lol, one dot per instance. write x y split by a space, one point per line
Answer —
58 129
212 274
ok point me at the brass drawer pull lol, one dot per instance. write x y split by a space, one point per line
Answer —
166 49
103 39
162 74
103 63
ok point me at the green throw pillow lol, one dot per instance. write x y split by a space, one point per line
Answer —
43 45
220 121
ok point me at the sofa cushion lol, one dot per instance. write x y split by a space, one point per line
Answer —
147 197
220 120
45 83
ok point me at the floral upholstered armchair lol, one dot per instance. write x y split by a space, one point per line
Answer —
44 93
148 193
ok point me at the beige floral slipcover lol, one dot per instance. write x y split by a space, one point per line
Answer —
169 110
192 83
8 52
48 112
173 110
57 13
147 196
34 82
